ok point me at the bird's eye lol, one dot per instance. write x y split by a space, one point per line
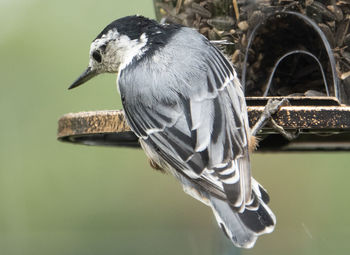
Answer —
97 56
103 47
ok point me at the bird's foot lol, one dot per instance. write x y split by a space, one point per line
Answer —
272 107
288 135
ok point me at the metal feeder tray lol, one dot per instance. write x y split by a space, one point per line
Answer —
322 122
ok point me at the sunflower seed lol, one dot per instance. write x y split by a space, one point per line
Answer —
201 11
221 22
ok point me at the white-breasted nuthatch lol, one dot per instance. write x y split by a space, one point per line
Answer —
183 99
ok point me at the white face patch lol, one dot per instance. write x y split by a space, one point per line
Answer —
119 52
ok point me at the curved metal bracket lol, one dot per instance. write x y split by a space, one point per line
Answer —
315 28
292 53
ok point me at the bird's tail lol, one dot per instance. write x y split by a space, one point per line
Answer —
244 228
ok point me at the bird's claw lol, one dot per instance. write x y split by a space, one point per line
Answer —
271 108
288 135
274 105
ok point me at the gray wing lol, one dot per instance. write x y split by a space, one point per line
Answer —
194 118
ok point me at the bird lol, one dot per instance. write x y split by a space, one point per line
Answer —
183 99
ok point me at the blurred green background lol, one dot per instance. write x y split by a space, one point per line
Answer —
58 198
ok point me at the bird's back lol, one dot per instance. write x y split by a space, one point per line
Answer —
184 100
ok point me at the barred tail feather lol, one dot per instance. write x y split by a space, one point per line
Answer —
244 228
231 224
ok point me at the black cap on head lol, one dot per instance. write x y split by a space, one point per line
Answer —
132 26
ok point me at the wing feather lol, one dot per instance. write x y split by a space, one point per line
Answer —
201 129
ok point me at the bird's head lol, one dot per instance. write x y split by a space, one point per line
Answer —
117 46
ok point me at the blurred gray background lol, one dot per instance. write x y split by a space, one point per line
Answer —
58 198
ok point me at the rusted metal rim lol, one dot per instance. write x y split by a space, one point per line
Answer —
96 128
321 128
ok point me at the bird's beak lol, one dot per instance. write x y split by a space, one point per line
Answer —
84 77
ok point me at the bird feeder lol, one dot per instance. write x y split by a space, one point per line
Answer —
298 50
